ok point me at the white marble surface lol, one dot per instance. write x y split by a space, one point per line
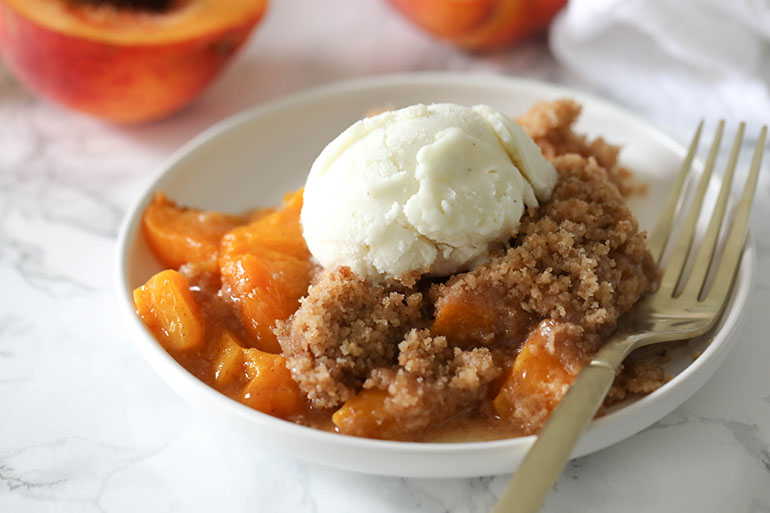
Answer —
86 426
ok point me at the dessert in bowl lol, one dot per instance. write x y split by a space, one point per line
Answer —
478 351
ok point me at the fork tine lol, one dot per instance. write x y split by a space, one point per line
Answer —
682 249
660 234
734 245
697 278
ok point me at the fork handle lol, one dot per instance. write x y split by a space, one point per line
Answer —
527 490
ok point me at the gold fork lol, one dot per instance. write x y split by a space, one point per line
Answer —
680 309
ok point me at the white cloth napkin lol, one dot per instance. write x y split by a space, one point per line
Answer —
677 60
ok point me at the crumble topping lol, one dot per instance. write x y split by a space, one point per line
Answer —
578 260
345 327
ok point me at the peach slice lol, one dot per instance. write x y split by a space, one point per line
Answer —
268 386
266 288
271 388
179 235
167 307
266 266
540 375
468 318
465 322
228 360
364 414
123 60
279 231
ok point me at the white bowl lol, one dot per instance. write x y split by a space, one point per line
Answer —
251 159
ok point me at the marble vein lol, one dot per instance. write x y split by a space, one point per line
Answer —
746 434
12 482
59 477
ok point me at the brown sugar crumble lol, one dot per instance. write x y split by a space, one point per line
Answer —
431 382
550 125
344 329
437 352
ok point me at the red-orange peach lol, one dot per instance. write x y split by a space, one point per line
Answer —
124 60
480 24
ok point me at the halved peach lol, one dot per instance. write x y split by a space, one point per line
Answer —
123 60
447 18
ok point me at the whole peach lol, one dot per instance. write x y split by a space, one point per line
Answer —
480 24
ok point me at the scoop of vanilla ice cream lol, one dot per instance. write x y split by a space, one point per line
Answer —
426 188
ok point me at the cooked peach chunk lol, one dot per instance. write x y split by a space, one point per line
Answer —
540 375
178 235
270 388
364 415
166 305
229 361
266 266
278 231
267 288
464 323
468 317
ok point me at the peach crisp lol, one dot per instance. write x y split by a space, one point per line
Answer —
482 353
